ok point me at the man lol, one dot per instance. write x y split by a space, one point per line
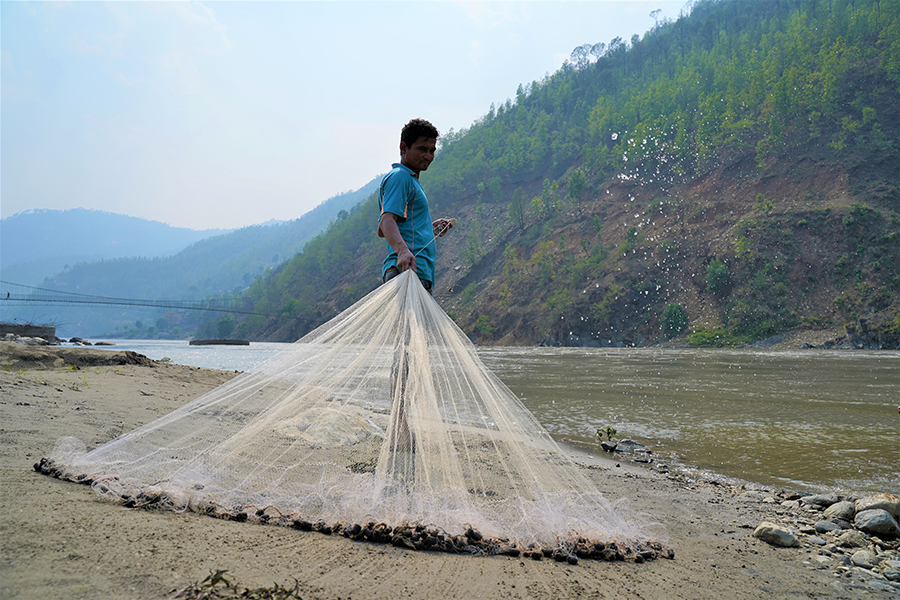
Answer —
406 223
410 234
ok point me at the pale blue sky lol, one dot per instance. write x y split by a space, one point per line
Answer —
225 114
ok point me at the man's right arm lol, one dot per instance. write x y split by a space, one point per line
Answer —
388 229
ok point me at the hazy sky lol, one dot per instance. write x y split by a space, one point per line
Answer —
225 114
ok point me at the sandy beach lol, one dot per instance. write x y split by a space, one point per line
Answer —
60 540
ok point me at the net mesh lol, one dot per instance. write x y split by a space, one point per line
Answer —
384 414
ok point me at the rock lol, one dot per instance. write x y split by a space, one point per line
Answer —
841 510
891 574
755 496
864 558
888 502
791 504
826 526
877 521
823 500
823 561
775 535
105 344
630 444
843 524
853 539
609 446
816 541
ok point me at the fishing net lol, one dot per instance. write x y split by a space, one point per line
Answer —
382 417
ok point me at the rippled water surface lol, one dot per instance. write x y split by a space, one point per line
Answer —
805 420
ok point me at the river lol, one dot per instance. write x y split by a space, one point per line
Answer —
808 420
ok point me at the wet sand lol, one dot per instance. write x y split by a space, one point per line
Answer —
60 540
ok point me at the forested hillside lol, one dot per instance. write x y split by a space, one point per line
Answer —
726 177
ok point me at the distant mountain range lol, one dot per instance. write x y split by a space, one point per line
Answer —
38 243
100 253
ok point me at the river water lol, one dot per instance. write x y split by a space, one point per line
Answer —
808 420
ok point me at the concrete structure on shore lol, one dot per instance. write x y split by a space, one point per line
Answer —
28 330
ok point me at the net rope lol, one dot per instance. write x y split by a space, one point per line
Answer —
383 414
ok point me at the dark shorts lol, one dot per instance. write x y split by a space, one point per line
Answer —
394 271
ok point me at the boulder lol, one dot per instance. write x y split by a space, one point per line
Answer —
888 502
776 535
841 510
878 522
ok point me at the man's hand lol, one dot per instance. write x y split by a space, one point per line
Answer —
388 229
442 226
406 260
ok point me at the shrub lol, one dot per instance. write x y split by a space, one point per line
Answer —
673 320
715 338
485 327
225 326
718 277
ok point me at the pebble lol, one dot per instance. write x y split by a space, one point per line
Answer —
816 540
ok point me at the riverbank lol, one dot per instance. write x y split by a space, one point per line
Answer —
59 539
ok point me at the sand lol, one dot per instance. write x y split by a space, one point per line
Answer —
60 540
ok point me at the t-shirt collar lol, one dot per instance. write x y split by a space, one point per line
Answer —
407 169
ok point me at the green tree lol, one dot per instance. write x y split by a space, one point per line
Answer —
576 186
673 320
718 277
517 209
225 326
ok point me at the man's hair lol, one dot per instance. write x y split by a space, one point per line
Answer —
415 129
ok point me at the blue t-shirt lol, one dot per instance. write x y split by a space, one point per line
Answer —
401 194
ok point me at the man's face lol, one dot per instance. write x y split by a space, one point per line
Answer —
418 156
